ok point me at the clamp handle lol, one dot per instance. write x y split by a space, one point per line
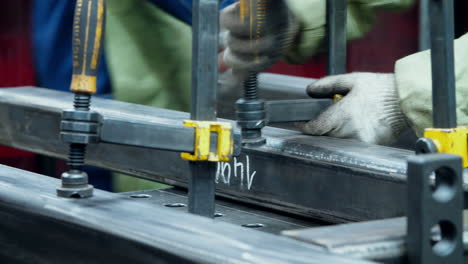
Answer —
88 28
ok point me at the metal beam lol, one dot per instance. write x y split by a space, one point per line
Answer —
326 178
382 240
38 227
295 110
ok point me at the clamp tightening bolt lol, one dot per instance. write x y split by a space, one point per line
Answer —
79 127
251 113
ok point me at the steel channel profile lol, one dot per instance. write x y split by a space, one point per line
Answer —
205 30
443 69
369 182
336 34
109 228
435 207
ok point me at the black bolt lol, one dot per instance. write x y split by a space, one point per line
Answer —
251 113
75 181
251 87
82 101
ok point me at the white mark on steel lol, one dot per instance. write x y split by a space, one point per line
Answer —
239 169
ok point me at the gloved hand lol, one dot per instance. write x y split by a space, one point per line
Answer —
370 110
256 44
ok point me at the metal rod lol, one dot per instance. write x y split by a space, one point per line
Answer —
424 26
204 85
336 32
443 70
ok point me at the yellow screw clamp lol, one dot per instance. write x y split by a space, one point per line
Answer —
203 130
452 141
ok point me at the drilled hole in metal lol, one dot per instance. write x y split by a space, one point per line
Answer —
218 215
140 196
444 237
444 189
255 225
175 205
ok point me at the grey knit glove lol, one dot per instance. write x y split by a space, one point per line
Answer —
370 111
258 43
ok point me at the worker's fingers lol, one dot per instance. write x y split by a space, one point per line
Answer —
247 62
267 44
337 121
230 20
331 85
325 124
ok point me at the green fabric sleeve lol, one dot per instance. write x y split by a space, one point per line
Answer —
311 15
414 81
148 54
149 61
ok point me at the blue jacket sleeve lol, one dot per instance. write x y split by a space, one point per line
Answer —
52 46
182 9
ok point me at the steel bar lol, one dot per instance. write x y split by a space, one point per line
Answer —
155 133
381 240
295 110
424 25
38 227
443 69
336 35
326 178
435 207
205 28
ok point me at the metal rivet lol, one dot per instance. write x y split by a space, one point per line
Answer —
140 196
218 215
175 205
256 225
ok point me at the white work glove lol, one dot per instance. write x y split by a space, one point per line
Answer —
254 45
370 110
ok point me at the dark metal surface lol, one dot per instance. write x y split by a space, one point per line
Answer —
270 87
443 69
296 110
337 37
226 211
205 28
38 227
435 207
327 178
148 133
424 25
251 113
381 240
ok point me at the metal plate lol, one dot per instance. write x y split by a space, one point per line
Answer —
38 227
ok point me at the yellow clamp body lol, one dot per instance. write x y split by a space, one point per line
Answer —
452 141
203 130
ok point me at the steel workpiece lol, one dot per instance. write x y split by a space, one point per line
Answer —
380 240
336 36
327 178
443 64
38 227
205 28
